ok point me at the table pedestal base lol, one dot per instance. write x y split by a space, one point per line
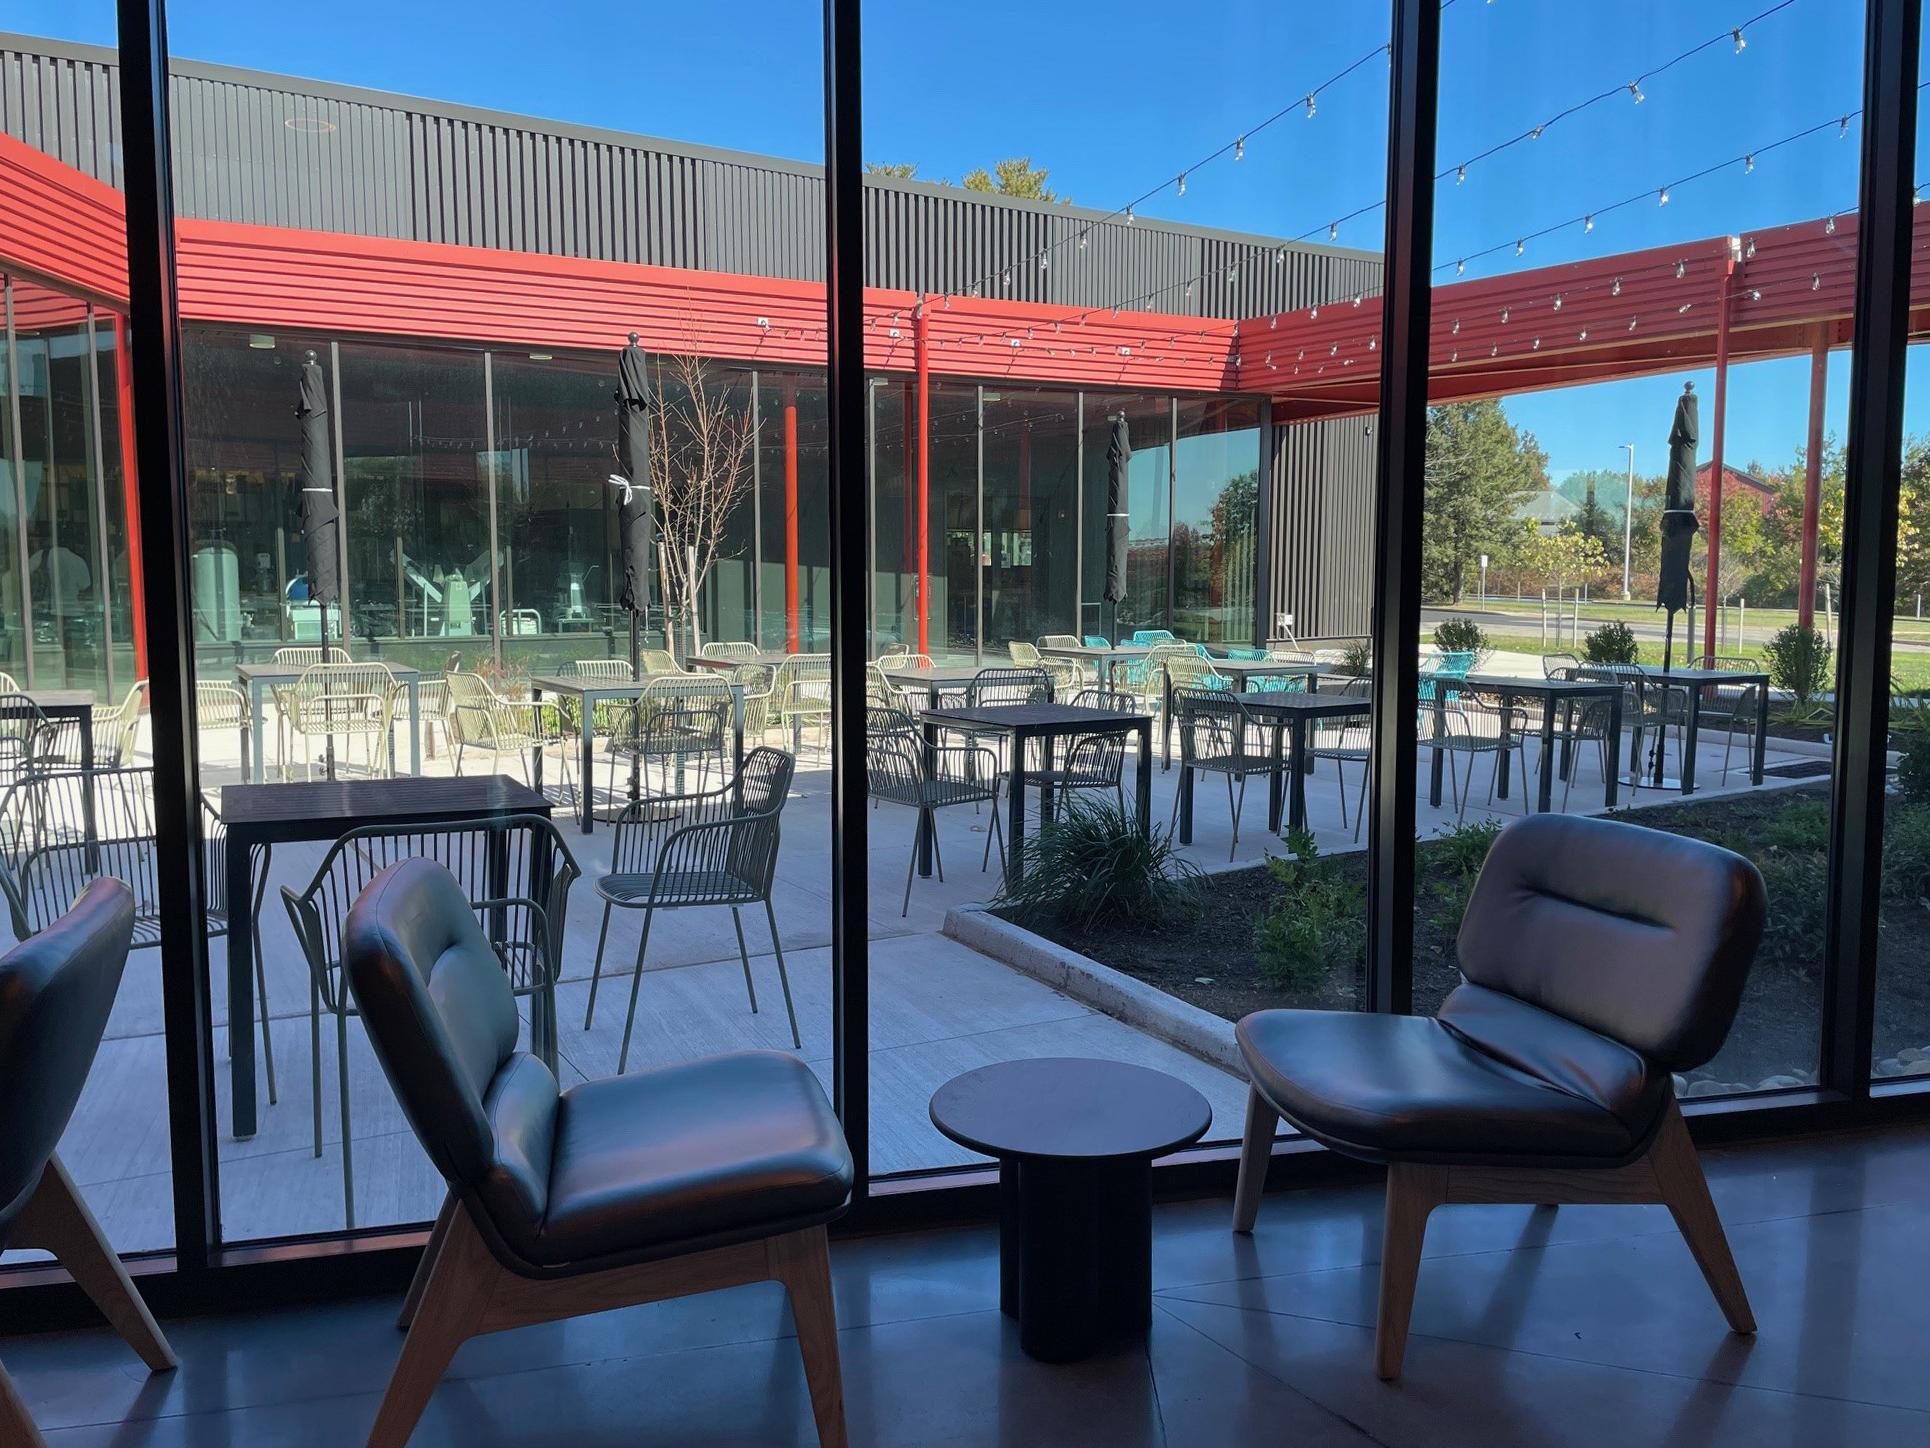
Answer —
1076 1253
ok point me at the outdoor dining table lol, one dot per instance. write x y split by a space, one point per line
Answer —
1692 683
1022 723
937 680
1104 660
59 704
1242 673
258 679
588 693
769 658
326 809
1556 695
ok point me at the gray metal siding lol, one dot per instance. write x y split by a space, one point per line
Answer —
1322 527
280 152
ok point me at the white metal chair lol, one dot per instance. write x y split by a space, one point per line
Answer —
345 701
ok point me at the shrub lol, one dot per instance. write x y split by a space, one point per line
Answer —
1801 824
1357 658
1461 636
1450 863
1095 865
1797 887
1317 925
1798 661
1612 643
1906 854
1913 769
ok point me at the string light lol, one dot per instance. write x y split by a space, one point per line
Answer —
1749 164
1842 128
1310 104
1129 214
1557 303
1829 227
1239 148
1333 231
1461 175
1741 44
1520 247
1636 91
1182 183
1681 268
1815 281
1616 290
1588 223
1662 197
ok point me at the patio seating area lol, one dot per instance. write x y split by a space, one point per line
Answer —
938 1006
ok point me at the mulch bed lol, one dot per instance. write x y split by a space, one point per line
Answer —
1210 961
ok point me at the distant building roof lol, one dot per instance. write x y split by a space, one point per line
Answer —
1734 480
1546 509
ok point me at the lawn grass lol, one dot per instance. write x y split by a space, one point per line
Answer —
1909 670
1596 611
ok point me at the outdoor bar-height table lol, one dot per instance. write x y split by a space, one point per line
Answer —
326 809
937 680
258 679
1022 723
589 693
1289 715
57 704
1554 694
1242 673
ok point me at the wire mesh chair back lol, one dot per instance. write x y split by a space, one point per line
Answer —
1216 732
1558 666
515 871
8 684
1190 671
615 670
1154 636
888 719
1098 641
718 847
804 687
218 705
759 684
991 687
1024 655
61 829
654 661
300 656
678 717
1097 760
23 728
345 699
1059 641
739 651
894 767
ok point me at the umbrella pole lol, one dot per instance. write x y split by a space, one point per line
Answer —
636 709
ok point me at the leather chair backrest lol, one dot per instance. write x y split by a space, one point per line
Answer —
443 1023
56 990
1641 936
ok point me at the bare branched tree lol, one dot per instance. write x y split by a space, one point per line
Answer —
700 469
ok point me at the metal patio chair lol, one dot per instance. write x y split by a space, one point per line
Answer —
1345 739
689 851
480 718
740 652
897 772
220 706
1650 706
63 828
115 727
804 697
1092 761
515 871
1731 706
22 728
1474 724
1066 674
345 701
1218 736
1582 722
679 719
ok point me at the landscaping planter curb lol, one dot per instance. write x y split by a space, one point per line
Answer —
1121 996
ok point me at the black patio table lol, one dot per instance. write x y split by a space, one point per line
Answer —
75 704
1555 695
588 693
1288 714
1105 660
937 680
1692 683
770 658
1242 673
326 809
258 679
1022 723
1075 1142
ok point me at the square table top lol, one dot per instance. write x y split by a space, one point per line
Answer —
323 808
1093 651
1266 668
1653 676
1038 718
1315 706
58 701
1528 684
769 658
273 673
935 674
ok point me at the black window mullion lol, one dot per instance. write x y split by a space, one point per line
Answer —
154 361
1401 446
1880 333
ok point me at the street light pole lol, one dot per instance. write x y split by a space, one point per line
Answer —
1628 519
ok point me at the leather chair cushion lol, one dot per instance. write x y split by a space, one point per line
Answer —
727 1148
1493 1082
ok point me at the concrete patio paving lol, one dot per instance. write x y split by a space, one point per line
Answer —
937 1008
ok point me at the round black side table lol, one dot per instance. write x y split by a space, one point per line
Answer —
1075 1142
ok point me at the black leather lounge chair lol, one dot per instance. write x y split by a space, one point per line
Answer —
1596 959
56 989
634 1189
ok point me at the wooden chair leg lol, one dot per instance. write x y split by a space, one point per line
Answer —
802 1262
16 1426
1412 1193
57 1220
1678 1175
454 1303
430 1251
1256 1150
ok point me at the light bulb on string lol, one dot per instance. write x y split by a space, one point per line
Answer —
1279 255
1520 247
1044 262
1681 269
1749 251
1239 148
1755 294
1129 215
1082 241
1461 266
1741 44
1455 330
1815 281
1635 91
1588 224
1749 164
1683 309
1842 128
1310 105
1181 181
1557 301
1333 231
1535 134
1504 316
1461 175
1631 324
1662 197
1829 227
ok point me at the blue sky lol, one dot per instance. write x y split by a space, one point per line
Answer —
1116 100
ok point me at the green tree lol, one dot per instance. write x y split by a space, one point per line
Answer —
1478 468
1913 521
1014 176
1560 560
903 170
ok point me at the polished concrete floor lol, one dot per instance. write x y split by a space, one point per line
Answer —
1583 1325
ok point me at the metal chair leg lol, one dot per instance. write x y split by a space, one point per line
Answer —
783 975
744 955
1360 804
596 970
348 1148
1238 802
267 1037
630 1016
315 1057
911 861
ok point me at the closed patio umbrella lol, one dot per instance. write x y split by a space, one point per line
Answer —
320 521
1119 453
636 535
1675 589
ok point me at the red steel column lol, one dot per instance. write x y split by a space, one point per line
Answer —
790 518
130 491
1709 598
921 337
1813 477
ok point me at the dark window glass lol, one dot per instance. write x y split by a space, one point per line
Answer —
1216 475
1031 544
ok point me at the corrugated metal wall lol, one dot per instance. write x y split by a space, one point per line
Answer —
275 152
1323 525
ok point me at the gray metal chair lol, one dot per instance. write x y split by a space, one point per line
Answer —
1346 739
1730 706
897 772
678 720
22 726
1092 761
681 852
516 872
1218 736
1472 724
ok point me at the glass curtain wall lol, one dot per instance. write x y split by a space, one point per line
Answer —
1030 548
1573 330
1216 496
1149 480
